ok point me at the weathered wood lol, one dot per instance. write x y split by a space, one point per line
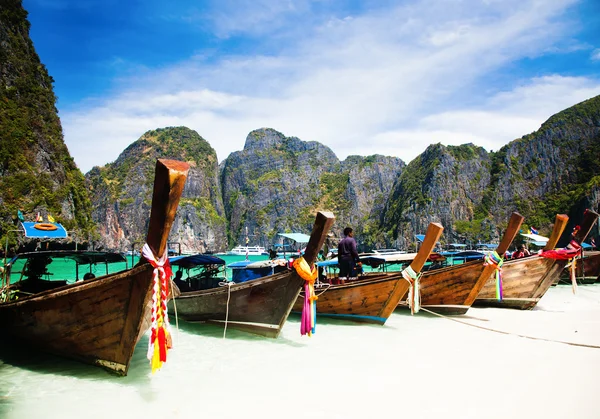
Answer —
373 297
323 223
450 290
98 321
560 222
434 231
526 280
169 180
514 225
260 305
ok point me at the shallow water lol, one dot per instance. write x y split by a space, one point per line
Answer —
422 366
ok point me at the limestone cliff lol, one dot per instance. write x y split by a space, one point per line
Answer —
472 193
122 193
37 173
444 184
277 184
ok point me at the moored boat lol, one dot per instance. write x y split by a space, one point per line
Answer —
370 298
248 250
99 320
452 290
526 280
260 305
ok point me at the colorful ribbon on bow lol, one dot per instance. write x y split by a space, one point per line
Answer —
160 337
308 322
414 292
495 260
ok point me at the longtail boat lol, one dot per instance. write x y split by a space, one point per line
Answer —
587 270
371 298
526 280
100 320
260 305
453 289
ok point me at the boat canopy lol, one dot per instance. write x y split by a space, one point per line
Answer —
297 237
36 233
586 246
535 238
190 261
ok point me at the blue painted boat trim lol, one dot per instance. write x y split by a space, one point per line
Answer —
380 320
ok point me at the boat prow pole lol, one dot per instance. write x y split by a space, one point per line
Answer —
514 225
432 236
169 180
589 219
323 222
560 222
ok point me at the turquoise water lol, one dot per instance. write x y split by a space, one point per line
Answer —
61 269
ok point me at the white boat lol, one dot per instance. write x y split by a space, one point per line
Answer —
248 250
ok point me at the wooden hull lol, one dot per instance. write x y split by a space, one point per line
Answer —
368 300
446 290
98 321
587 270
525 281
590 266
258 306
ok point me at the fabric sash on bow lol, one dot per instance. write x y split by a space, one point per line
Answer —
569 253
414 292
308 321
495 260
160 336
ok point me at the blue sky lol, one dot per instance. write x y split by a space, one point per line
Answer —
362 77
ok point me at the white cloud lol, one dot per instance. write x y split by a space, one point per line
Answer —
596 54
389 82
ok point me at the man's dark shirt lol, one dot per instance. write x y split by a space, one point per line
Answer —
347 249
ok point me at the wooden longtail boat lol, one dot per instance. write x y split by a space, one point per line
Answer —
526 280
587 270
259 305
452 290
98 321
371 298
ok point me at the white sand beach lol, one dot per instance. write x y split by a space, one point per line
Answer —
421 366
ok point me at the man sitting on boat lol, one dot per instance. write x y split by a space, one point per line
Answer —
347 253
181 284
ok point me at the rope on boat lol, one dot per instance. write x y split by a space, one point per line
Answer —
318 285
227 284
414 292
584 345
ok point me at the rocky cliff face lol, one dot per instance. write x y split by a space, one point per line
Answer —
442 185
122 193
37 173
553 170
277 184
472 193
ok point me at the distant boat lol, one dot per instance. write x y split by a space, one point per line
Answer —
259 305
248 250
526 280
388 251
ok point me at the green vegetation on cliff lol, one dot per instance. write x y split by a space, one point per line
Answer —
37 172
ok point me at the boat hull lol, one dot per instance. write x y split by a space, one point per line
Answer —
98 321
259 306
524 282
368 300
446 290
